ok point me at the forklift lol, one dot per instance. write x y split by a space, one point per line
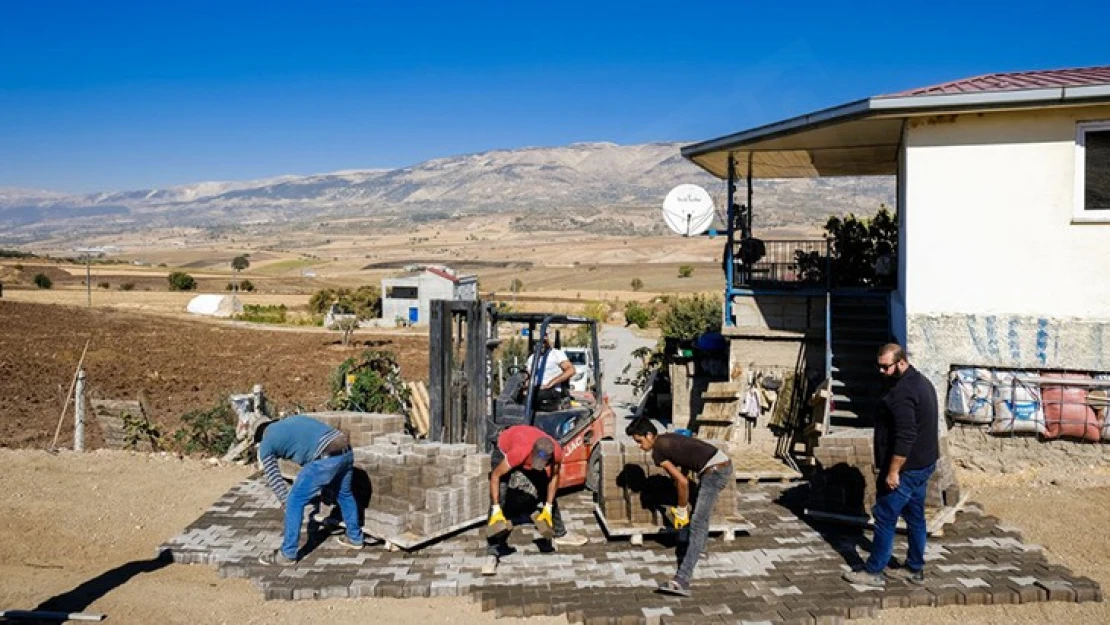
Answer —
466 407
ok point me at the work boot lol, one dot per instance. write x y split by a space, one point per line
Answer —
917 578
863 578
276 557
571 540
490 566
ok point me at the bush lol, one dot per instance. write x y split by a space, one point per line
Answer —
209 431
685 271
686 319
43 281
516 286
246 286
181 281
637 284
638 314
365 301
103 285
127 286
258 313
376 384
860 246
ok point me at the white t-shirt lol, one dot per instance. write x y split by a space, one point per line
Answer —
552 367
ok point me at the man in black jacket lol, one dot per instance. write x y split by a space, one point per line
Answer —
906 451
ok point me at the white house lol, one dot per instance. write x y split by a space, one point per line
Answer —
407 297
1003 198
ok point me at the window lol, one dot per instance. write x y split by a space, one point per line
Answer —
403 292
1092 172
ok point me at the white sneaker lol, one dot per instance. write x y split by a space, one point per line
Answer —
571 540
490 567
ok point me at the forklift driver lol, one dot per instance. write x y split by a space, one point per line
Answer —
557 370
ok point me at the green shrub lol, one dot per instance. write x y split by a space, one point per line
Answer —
103 285
246 286
209 431
685 271
181 281
688 318
259 313
127 286
376 384
365 301
43 281
637 284
637 314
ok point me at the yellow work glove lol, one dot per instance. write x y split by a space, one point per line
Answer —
681 517
496 516
545 515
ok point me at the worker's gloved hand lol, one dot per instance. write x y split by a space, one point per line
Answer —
496 516
681 517
545 515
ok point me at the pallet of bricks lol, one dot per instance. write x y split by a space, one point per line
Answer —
633 495
422 490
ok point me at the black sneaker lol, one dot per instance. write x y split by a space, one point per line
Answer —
917 578
276 557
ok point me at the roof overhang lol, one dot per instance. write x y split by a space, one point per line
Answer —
861 138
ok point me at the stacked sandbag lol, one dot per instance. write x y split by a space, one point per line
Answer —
1067 413
970 395
1018 408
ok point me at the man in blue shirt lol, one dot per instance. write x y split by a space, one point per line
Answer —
324 454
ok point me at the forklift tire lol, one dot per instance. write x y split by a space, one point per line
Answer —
593 470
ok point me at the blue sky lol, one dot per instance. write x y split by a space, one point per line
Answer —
117 95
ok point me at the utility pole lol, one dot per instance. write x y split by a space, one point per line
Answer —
88 279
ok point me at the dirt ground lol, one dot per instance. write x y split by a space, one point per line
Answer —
182 365
80 532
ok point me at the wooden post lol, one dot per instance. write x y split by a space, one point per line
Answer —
439 367
477 372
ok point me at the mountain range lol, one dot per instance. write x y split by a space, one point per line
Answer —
580 183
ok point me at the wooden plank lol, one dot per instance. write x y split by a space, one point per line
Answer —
419 407
731 525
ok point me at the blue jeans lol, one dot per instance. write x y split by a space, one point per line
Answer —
907 501
710 486
315 476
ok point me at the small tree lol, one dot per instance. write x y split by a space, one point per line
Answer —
43 281
637 284
181 281
239 263
687 319
638 314
685 271
516 286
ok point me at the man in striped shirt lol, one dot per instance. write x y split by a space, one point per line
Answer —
326 462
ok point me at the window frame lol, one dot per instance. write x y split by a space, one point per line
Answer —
1081 214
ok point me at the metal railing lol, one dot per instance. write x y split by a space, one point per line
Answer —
781 262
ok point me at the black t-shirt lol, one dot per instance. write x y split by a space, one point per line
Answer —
683 451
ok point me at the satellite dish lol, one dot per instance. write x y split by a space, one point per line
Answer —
688 210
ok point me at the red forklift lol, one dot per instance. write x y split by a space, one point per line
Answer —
475 402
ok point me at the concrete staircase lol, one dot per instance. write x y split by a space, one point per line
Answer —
860 325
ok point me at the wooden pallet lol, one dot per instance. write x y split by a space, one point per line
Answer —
935 520
410 541
636 532
751 468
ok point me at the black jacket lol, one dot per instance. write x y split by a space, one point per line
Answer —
907 423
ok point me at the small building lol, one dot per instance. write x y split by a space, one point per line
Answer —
214 305
407 297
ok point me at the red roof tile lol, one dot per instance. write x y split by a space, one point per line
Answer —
1017 81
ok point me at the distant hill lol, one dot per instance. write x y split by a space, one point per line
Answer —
583 185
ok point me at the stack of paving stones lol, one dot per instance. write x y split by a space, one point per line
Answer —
788 571
362 428
422 490
845 482
634 493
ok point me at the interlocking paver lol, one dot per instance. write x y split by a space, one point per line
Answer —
786 571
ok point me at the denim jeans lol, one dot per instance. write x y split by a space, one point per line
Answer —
907 501
710 486
335 472
513 512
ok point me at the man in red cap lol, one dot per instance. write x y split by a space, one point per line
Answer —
538 457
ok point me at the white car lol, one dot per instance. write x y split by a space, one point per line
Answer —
583 368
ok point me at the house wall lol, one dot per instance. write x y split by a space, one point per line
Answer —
995 272
392 308
433 287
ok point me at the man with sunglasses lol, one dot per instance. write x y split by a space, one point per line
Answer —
906 452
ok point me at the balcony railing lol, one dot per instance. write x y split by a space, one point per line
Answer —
781 263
